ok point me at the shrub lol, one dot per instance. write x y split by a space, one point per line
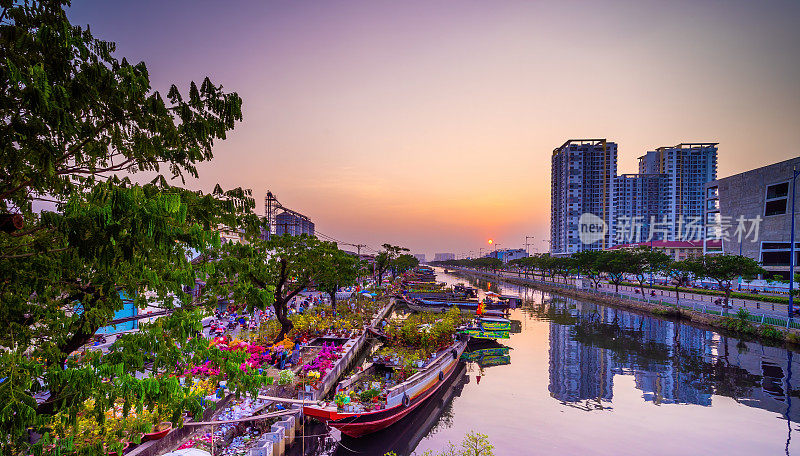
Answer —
285 377
737 324
768 332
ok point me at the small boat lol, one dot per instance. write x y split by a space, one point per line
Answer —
487 353
463 303
401 399
488 327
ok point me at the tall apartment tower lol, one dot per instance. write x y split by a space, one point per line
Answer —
582 172
637 199
688 167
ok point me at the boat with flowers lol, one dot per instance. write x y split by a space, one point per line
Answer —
487 327
382 398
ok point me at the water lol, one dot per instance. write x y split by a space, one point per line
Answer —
584 378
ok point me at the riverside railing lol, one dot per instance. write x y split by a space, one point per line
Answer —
760 318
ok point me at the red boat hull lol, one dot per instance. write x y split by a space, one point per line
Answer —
360 424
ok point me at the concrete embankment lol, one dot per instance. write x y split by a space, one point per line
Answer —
769 333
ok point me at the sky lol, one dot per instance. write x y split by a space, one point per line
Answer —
430 124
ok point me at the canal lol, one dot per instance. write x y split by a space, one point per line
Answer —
581 378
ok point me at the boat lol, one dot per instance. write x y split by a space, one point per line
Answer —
488 327
487 353
401 399
463 303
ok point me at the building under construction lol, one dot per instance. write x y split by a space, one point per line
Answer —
283 220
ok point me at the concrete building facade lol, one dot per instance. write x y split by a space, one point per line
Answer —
582 173
444 256
688 167
751 213
638 199
506 255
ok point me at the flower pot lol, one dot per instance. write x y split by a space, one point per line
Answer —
161 430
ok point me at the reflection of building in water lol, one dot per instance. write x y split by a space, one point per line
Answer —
671 363
577 371
581 371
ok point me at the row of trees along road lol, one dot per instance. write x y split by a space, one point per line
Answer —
640 264
77 123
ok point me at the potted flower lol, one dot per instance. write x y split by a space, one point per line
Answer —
159 431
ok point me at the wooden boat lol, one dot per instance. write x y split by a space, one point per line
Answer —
463 303
488 327
401 399
487 355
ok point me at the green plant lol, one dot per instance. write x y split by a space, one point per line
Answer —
743 314
768 332
737 325
286 377
369 395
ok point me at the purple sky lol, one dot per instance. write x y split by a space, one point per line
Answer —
430 124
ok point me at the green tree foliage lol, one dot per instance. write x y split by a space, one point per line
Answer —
589 264
73 116
385 260
725 269
615 264
403 263
339 270
681 273
646 263
262 272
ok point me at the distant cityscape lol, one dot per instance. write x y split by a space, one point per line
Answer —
676 203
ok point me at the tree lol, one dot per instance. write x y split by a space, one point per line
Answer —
385 259
272 271
588 263
724 269
681 273
615 264
645 263
340 270
487 263
403 263
74 116
564 266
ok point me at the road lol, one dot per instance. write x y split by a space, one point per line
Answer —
687 298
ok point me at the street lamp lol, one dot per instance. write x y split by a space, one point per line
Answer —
791 248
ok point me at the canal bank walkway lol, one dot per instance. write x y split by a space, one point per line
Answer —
759 312
770 309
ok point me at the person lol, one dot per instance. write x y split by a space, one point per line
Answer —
282 360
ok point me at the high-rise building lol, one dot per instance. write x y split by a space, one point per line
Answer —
688 167
637 200
583 172
444 256
420 257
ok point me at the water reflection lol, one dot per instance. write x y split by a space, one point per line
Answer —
672 363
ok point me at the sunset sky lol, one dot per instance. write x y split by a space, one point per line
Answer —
430 124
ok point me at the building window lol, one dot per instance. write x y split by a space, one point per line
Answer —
777 199
777 253
713 192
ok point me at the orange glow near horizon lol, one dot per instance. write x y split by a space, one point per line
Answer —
426 125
